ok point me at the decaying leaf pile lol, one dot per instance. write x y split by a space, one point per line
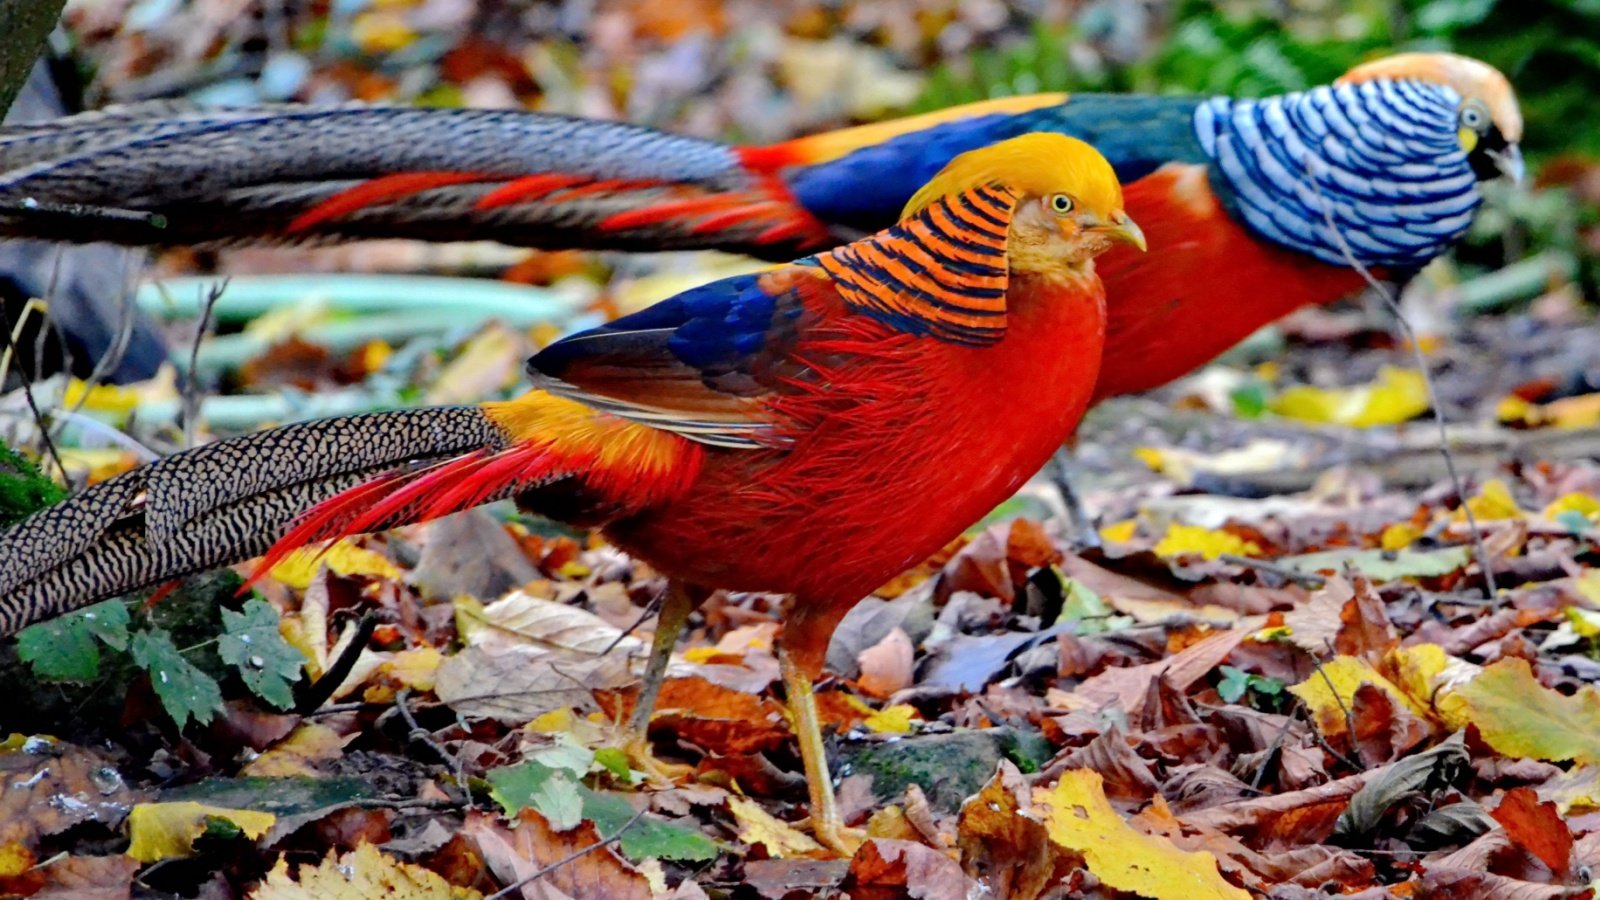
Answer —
1277 706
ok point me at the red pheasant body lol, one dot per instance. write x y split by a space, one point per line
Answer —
1212 285
892 455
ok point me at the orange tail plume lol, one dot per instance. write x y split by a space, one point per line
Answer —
619 466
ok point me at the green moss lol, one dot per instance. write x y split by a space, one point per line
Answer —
23 489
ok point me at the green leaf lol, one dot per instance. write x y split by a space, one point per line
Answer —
567 755
185 691
251 643
1384 565
615 761
552 792
1082 605
1234 684
67 649
649 837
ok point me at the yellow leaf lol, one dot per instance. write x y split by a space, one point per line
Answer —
1399 536
414 668
1398 395
701 655
1193 540
1345 674
757 826
1585 622
382 32
164 830
1588 585
1583 504
895 719
362 873
1512 410
1080 819
106 398
1518 716
1150 456
1119 532
299 568
1494 501
14 860
295 754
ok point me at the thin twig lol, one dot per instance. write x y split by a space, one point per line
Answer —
423 736
33 403
191 383
649 610
1421 362
127 318
1349 718
1304 579
1272 753
570 857
319 691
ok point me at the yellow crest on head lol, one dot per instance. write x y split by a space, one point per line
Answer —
1040 164
1472 79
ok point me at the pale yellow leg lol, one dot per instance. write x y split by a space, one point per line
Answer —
826 825
680 601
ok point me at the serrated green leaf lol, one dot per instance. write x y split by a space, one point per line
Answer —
552 792
252 644
1233 685
567 755
185 691
67 649
649 837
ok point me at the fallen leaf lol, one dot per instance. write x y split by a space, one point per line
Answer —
299 753
48 786
885 869
345 558
886 667
1536 827
757 827
164 830
1192 540
1518 716
1397 395
1080 820
514 854
360 874
1128 685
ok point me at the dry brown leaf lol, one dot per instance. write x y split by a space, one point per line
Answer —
514 854
885 869
48 786
1536 827
1003 846
887 666
1129 685
299 753
87 878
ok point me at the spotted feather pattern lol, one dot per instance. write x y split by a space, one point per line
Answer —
1381 158
231 492
941 272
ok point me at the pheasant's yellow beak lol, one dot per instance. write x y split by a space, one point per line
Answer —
1123 230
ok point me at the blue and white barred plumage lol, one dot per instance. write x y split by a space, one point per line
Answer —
1382 156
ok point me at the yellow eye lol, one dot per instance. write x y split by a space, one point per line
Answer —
1060 204
1474 117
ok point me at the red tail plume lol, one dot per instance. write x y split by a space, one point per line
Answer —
405 498
379 190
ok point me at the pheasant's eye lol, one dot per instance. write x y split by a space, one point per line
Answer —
1474 117
1060 204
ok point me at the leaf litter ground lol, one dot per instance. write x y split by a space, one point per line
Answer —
1241 692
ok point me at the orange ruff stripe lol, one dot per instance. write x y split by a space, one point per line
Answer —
379 190
943 271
